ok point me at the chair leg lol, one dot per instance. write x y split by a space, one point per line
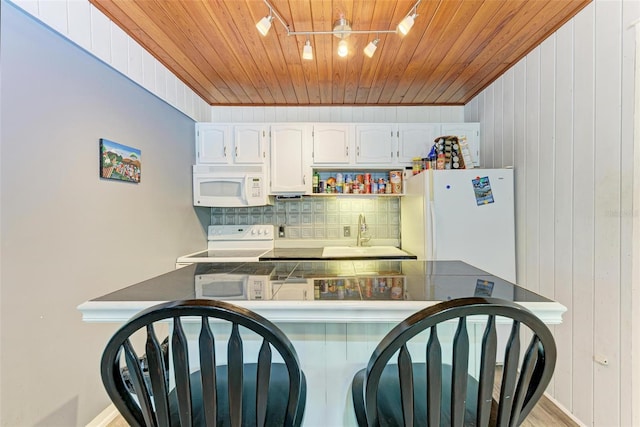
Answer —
357 393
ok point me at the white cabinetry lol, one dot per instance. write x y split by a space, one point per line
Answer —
375 144
470 131
250 143
213 143
415 140
291 158
230 144
332 144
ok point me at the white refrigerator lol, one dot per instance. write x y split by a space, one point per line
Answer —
465 215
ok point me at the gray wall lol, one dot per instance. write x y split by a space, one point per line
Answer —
563 117
66 235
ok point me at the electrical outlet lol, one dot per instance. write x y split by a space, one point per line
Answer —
347 231
281 231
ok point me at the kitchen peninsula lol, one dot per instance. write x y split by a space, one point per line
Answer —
335 312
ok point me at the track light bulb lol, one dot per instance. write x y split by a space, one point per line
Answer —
405 25
371 48
307 51
264 24
343 48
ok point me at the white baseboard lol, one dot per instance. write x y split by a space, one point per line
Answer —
103 419
565 410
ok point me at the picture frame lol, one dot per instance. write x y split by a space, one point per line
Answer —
119 162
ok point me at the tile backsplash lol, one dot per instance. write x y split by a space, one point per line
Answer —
320 218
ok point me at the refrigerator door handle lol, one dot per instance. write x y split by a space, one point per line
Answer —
432 240
432 215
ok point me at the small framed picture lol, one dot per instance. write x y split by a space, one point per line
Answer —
119 162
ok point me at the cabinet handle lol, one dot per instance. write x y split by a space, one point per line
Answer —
358 151
236 148
225 151
398 153
347 149
304 179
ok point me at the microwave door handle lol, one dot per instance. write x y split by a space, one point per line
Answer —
245 189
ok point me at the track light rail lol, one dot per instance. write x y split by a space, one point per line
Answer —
403 27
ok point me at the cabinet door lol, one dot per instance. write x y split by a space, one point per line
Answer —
375 144
213 143
290 159
331 144
249 143
469 130
415 140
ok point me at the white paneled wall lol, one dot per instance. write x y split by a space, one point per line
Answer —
339 114
563 117
86 26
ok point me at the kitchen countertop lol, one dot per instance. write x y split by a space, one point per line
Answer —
315 254
348 291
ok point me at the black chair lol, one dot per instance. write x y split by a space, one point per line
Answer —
442 394
240 393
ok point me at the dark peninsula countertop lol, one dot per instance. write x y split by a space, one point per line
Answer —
324 291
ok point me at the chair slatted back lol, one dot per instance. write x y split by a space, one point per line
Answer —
523 380
152 404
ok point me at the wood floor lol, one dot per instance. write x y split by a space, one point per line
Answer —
545 413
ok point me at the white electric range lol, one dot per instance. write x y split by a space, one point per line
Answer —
233 243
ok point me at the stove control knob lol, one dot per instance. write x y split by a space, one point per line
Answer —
253 231
259 231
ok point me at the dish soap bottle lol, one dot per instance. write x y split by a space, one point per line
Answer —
316 182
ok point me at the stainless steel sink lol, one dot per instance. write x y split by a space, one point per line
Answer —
361 251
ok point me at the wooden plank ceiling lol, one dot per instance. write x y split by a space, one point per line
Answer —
455 49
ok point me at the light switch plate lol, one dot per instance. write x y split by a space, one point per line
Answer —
347 231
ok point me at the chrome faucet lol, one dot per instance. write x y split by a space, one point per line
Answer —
362 230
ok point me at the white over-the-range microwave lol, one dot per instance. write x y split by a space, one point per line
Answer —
230 186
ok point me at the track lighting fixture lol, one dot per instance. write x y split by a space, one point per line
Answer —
371 47
264 24
307 50
343 48
341 29
405 25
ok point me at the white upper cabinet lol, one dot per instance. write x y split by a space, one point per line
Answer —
470 131
415 140
231 144
291 158
250 143
376 144
332 144
213 143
